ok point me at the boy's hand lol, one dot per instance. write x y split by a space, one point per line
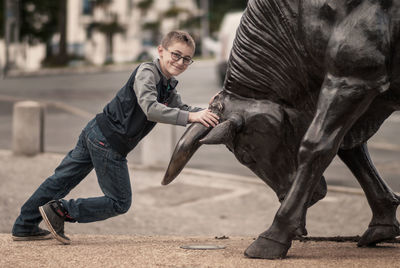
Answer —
206 117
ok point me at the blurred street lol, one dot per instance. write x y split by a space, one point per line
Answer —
90 91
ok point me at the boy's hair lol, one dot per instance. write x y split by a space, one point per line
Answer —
178 36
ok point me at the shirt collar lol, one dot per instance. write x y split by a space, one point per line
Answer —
172 82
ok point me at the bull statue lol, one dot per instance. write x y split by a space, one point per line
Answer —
307 80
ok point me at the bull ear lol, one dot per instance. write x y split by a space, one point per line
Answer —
224 132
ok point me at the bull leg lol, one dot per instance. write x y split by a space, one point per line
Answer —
382 200
342 101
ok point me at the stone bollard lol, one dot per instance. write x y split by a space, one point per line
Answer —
157 147
28 128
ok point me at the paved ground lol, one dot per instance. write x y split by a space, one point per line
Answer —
159 251
194 209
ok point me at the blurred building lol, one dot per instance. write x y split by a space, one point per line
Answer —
109 31
13 52
122 30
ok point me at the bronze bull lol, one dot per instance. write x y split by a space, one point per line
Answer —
307 80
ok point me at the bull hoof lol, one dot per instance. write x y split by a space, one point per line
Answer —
378 233
265 248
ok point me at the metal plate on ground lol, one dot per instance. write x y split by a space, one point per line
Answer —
203 247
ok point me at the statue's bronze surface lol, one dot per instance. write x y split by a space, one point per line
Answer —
307 80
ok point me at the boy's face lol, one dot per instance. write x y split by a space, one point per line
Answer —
169 65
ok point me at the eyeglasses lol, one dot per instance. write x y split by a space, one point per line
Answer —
177 57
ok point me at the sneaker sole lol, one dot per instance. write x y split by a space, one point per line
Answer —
53 232
31 238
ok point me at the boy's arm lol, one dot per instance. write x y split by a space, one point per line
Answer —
145 88
196 114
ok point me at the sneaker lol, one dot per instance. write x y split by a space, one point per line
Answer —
40 234
54 216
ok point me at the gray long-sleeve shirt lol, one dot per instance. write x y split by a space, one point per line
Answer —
145 87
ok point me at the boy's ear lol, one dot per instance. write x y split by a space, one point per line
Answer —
160 51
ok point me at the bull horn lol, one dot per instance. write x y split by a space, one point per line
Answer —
186 147
224 132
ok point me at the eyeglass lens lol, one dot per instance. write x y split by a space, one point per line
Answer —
177 57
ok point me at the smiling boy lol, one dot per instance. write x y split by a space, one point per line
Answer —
148 97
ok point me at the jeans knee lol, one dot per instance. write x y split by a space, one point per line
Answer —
122 206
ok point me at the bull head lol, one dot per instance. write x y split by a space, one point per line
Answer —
194 137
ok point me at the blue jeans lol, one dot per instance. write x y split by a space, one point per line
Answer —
91 151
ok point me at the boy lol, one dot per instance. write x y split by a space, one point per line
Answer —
148 97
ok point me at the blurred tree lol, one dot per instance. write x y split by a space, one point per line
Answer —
144 5
173 12
151 28
154 29
102 3
218 8
2 22
62 29
109 28
39 21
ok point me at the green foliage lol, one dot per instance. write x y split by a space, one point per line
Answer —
218 8
39 19
174 11
191 23
2 22
145 4
102 2
108 27
152 26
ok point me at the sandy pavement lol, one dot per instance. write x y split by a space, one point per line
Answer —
166 251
